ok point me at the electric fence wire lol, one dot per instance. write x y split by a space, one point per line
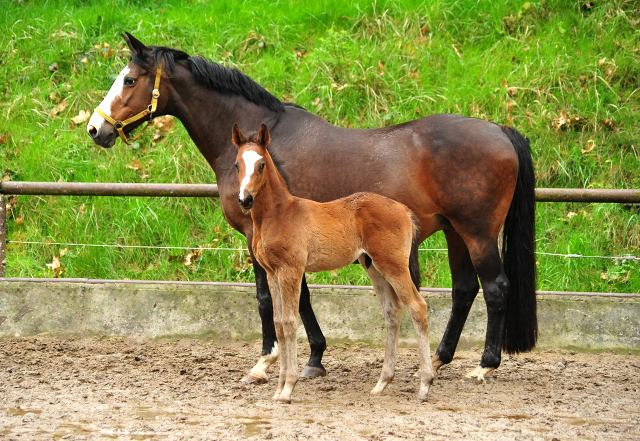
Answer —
623 258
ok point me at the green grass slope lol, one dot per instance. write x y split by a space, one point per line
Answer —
564 73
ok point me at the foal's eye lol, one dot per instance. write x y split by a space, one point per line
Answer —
128 81
261 166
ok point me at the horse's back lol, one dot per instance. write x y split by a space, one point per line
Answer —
448 169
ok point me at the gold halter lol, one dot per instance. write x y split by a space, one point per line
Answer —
120 125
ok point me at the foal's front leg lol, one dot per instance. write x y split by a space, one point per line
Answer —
270 350
287 302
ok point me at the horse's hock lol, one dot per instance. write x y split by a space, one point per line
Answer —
228 311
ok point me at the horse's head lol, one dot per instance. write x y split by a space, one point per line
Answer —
250 162
132 99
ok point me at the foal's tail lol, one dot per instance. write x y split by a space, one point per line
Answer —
414 264
518 249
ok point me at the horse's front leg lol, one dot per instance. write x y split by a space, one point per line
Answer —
317 342
270 350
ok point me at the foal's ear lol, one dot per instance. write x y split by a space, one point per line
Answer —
263 136
134 44
237 136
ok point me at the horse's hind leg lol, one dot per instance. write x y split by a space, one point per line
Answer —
495 287
317 342
465 288
392 311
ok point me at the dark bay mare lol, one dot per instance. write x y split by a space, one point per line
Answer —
464 176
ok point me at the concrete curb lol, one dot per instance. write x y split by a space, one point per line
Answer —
228 311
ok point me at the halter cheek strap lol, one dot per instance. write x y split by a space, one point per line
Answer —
120 125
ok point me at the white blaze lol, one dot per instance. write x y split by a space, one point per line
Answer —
116 90
250 158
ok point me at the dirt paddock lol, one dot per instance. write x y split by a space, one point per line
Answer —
53 388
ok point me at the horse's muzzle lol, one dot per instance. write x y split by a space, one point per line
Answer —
247 202
103 136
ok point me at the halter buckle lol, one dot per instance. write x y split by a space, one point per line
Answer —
155 93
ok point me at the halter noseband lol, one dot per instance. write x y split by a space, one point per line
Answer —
120 125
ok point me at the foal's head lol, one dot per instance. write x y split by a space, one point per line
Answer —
250 163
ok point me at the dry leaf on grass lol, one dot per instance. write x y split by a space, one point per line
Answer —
55 267
58 108
192 256
83 116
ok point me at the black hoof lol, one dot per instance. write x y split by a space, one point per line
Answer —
313 372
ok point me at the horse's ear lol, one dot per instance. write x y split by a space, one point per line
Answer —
134 44
237 136
263 136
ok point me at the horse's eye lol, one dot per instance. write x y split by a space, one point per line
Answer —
261 166
128 81
236 164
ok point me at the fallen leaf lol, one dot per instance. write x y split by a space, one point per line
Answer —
83 116
55 267
512 90
511 105
19 221
609 124
58 108
63 252
53 67
590 146
136 165
192 256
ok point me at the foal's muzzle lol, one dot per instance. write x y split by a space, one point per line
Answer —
246 202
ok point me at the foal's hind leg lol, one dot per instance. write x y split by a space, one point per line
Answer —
417 308
392 310
465 288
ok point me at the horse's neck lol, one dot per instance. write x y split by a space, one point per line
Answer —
274 197
209 116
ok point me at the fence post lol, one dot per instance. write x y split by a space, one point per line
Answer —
3 234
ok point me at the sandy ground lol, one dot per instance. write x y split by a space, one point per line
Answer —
91 389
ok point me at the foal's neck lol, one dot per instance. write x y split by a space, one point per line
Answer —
274 196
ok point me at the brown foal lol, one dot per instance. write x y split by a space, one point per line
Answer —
292 235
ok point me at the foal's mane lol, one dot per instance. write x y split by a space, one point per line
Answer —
213 75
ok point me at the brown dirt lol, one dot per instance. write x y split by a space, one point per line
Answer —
189 389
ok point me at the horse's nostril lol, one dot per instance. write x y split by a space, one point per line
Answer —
93 132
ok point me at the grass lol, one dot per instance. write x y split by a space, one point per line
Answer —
566 74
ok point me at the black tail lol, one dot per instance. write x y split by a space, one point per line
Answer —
518 250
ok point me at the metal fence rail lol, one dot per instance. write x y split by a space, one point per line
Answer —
211 190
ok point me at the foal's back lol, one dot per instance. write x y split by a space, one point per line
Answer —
337 233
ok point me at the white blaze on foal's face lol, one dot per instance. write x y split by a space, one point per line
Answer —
96 120
249 158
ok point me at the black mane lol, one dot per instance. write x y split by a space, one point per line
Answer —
213 75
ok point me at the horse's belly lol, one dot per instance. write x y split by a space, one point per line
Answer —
331 261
